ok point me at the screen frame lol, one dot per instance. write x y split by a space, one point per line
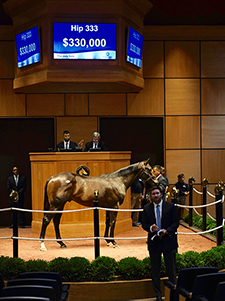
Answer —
38 40
87 22
128 45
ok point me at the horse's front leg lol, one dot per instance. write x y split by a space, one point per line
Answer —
56 221
113 217
45 222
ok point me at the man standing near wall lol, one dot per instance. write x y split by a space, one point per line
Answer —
17 182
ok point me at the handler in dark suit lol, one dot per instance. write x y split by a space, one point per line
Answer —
95 143
67 143
162 183
157 171
17 182
161 218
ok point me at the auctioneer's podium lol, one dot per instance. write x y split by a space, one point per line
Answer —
76 224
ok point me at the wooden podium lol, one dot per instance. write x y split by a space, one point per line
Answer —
76 224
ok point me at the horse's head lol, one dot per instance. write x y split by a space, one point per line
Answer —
145 170
146 173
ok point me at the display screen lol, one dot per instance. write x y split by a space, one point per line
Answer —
84 41
28 47
134 47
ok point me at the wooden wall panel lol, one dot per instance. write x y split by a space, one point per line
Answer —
153 62
76 104
45 104
11 104
107 104
7 59
181 59
183 161
182 96
213 165
79 127
150 101
213 59
213 132
184 32
213 96
7 33
183 132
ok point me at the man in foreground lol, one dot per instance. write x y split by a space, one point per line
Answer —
161 221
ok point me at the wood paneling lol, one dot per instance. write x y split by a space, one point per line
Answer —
183 161
212 59
45 104
213 96
153 59
11 104
150 101
213 165
79 127
181 59
7 33
183 132
7 59
76 104
107 104
182 97
183 32
213 132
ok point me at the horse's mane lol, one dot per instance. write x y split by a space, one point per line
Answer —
122 172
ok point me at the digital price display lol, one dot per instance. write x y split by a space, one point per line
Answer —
28 47
134 47
84 41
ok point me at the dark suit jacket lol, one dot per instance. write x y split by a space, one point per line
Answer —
71 145
162 183
169 221
89 145
20 188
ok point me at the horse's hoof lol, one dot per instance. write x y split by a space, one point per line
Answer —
43 249
109 244
115 245
63 246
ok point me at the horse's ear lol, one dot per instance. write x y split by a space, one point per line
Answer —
147 161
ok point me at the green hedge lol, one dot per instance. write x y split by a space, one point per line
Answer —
198 222
108 269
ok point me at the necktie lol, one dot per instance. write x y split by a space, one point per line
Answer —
16 178
67 145
158 217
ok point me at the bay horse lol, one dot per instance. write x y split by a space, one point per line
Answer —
112 187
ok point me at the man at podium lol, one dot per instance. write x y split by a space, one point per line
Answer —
67 144
96 144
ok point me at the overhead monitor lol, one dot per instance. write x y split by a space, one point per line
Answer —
28 47
84 41
134 47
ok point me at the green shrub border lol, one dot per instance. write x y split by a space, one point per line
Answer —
103 268
197 222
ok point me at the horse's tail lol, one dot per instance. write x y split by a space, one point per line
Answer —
46 200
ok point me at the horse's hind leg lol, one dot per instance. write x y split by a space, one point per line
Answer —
56 221
45 222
